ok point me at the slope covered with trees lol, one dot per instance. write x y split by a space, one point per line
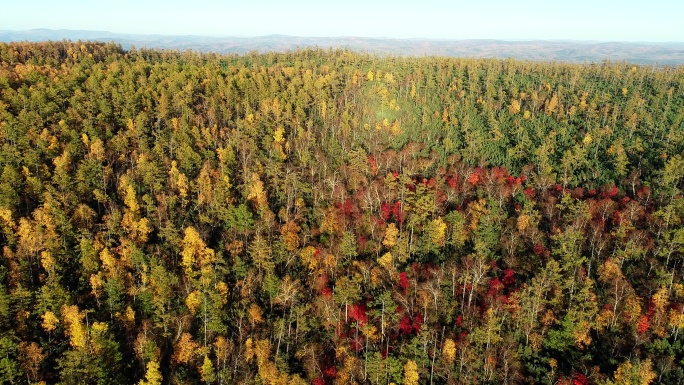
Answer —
330 217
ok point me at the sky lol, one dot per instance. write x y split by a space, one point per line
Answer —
597 20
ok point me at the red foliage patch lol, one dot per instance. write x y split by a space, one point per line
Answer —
417 322
495 286
385 211
327 292
474 179
539 249
616 217
610 192
346 207
644 192
330 372
404 282
405 324
529 193
508 278
388 210
358 313
476 176
398 214
580 379
318 381
643 325
373 165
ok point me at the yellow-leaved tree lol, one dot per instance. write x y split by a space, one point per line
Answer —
290 235
438 229
185 349
514 108
75 329
50 321
391 234
152 376
195 252
411 373
137 228
207 372
178 181
552 104
449 351
256 192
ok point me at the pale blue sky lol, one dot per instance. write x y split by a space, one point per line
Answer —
604 20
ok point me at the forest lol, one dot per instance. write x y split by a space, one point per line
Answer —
332 217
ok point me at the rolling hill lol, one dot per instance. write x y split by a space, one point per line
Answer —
536 50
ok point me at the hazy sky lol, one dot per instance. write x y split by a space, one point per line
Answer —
606 20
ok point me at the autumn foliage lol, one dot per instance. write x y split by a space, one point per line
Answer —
330 217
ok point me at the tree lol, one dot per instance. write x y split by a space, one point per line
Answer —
152 375
411 373
195 252
639 372
31 356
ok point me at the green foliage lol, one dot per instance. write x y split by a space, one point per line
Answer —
9 367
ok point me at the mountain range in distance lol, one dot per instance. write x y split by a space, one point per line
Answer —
644 53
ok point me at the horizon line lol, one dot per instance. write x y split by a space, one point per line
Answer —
450 39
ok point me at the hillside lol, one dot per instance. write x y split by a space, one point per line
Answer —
330 217
565 51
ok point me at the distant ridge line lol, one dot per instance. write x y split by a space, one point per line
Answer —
645 53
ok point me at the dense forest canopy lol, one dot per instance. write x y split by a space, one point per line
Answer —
324 216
